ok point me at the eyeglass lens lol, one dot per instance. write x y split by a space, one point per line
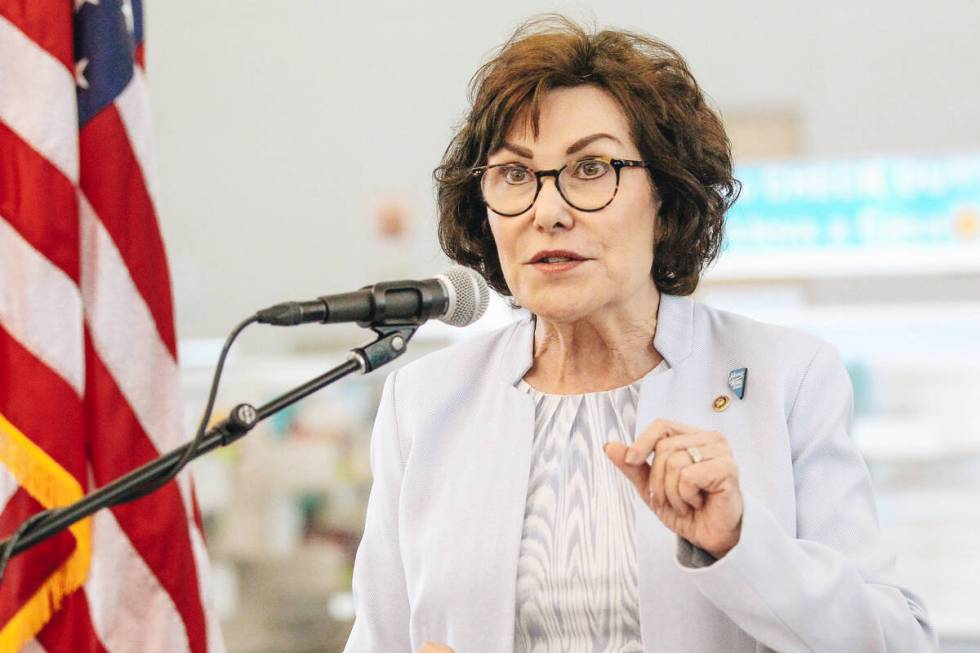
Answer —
511 189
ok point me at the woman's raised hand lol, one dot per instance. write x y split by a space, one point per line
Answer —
700 501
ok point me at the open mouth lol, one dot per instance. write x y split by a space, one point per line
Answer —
556 257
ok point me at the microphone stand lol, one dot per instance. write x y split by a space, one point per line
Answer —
390 344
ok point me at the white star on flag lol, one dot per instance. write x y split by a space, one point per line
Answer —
81 3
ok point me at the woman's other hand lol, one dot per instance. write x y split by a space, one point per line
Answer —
434 647
700 501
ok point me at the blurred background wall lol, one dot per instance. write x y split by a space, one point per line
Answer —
279 125
294 146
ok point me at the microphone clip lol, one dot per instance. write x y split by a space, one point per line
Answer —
391 343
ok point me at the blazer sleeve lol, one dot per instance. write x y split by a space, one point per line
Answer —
381 611
831 587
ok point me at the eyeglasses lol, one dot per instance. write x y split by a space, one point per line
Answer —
590 184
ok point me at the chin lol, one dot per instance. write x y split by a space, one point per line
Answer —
560 307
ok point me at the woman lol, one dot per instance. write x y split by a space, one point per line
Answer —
626 470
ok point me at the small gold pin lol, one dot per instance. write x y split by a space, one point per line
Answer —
720 403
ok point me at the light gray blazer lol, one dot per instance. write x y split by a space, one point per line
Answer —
450 456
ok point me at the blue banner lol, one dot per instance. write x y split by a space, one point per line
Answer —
857 206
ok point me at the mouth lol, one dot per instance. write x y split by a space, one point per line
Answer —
556 256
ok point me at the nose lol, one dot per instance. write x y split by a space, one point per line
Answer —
550 209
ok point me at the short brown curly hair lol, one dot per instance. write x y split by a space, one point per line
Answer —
671 124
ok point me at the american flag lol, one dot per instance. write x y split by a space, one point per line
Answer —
88 367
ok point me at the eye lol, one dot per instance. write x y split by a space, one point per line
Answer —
514 174
590 168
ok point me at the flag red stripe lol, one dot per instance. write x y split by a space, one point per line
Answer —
28 571
154 519
39 202
47 23
140 55
42 406
72 623
113 183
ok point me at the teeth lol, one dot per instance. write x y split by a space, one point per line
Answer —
555 259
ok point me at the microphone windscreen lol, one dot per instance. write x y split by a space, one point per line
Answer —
469 295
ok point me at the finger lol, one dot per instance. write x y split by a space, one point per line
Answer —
704 440
687 486
637 474
679 460
710 476
657 430
676 460
690 493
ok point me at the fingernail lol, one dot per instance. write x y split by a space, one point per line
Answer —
632 457
604 447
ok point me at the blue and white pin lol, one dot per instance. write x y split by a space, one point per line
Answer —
736 381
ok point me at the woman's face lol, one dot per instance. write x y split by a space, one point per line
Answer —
614 243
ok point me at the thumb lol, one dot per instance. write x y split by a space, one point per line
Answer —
434 647
638 474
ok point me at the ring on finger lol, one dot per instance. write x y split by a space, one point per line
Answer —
695 454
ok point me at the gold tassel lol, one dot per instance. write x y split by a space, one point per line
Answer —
52 486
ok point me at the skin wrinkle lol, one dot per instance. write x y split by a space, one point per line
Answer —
559 346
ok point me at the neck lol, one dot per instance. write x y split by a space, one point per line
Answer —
609 348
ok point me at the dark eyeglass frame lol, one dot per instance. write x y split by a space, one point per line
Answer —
617 166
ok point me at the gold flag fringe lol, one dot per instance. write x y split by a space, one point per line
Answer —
52 486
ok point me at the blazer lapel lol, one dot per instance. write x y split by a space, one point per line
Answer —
674 615
495 493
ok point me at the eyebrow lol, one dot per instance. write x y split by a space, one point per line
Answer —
518 150
572 149
582 142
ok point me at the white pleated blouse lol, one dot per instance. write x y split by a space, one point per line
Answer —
577 583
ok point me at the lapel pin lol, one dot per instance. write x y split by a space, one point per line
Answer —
737 379
720 403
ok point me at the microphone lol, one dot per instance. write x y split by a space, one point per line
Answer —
459 296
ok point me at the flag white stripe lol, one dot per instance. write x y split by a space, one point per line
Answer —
216 643
130 610
134 108
41 307
38 101
8 487
125 337
33 646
